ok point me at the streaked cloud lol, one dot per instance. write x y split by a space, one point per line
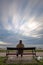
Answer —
22 19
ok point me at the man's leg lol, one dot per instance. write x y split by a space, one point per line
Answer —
17 55
21 55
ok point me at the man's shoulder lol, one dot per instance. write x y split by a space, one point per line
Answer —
17 45
22 44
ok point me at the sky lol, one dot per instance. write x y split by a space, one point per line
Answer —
21 20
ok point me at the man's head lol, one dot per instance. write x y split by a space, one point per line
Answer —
20 41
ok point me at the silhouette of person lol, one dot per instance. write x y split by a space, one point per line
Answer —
20 45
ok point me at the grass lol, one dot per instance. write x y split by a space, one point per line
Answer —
6 50
39 50
24 50
2 62
2 50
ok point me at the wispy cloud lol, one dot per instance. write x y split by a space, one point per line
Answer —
22 19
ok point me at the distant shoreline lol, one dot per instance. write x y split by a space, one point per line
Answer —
38 46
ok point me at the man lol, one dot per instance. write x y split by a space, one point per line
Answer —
20 51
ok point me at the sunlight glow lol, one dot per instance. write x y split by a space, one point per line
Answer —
32 25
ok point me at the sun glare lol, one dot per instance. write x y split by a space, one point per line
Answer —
32 25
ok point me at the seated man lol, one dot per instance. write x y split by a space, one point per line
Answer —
20 45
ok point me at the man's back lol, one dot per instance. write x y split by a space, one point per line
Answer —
20 45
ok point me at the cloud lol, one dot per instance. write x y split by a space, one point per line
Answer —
2 43
21 19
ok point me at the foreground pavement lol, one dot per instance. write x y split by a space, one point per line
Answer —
37 54
24 59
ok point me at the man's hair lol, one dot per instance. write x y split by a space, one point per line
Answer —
20 41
